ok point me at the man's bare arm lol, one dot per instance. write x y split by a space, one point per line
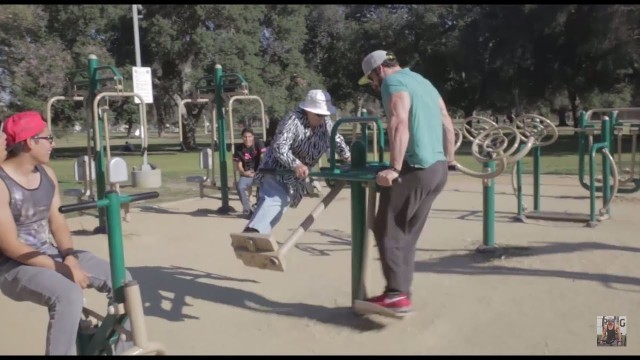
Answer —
13 248
449 133
398 128
57 222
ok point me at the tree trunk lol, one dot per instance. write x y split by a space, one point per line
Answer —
160 121
469 111
573 100
129 127
562 117
193 112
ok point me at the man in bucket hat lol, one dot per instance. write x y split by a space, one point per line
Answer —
32 267
301 139
416 116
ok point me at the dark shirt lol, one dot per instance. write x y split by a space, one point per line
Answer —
250 156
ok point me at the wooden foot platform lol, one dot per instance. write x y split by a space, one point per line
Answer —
257 250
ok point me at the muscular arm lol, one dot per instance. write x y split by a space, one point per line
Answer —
449 133
57 222
398 127
12 247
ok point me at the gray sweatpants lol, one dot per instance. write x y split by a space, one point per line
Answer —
61 296
402 214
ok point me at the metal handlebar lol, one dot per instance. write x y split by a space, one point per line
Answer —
86 205
531 125
334 133
492 144
471 133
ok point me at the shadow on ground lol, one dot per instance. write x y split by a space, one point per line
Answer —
474 263
181 282
197 213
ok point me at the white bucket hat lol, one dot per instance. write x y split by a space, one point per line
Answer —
318 102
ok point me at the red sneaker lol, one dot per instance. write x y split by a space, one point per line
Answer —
398 303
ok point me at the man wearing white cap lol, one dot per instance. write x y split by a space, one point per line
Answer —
416 116
301 139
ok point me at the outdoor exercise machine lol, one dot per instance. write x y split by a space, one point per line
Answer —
263 252
364 128
221 87
102 81
495 148
608 189
619 127
98 334
263 120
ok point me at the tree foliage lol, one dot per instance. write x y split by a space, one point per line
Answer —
492 58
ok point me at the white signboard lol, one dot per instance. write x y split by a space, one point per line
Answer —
142 84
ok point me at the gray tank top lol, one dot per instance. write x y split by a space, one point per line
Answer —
30 209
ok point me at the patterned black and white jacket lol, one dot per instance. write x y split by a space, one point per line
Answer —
296 142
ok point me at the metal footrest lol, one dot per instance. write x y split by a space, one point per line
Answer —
558 216
74 192
257 250
195 179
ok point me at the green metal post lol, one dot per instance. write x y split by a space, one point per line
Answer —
358 221
582 149
116 251
519 185
592 184
488 205
101 184
536 178
613 121
363 131
607 136
222 145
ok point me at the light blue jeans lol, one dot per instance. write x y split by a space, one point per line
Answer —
273 202
244 183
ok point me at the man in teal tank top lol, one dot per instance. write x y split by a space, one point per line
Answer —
417 122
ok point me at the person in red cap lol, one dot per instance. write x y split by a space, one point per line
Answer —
32 267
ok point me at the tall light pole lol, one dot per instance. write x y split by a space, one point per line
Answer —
136 39
136 35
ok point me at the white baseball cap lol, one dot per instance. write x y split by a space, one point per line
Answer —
371 62
318 102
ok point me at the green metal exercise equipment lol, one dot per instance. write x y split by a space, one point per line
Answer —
615 129
262 251
611 179
220 87
91 86
97 334
491 147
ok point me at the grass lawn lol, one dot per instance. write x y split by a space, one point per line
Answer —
558 158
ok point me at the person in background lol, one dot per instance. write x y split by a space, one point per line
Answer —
247 159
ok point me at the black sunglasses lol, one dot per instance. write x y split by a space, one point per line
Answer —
50 138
